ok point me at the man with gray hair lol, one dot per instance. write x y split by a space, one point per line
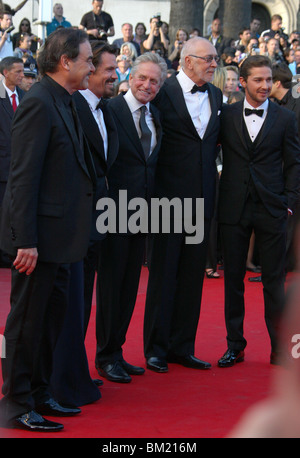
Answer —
190 107
133 172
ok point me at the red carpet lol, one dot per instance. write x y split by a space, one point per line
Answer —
183 403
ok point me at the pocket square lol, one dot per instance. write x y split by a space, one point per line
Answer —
219 112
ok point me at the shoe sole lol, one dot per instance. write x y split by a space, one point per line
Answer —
156 369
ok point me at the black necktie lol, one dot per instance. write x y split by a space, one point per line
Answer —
202 88
248 112
145 133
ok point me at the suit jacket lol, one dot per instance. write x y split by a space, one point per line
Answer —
273 167
292 103
94 139
186 165
131 171
49 195
6 117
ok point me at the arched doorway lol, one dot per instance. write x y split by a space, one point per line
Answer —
260 12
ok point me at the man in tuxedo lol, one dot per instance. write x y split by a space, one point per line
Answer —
186 168
122 252
10 96
102 136
259 188
45 225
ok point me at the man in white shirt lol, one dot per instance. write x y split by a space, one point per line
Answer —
6 45
258 191
133 174
190 107
101 134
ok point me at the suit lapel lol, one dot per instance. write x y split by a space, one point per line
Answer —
112 134
238 120
269 122
174 91
5 101
125 118
214 110
158 128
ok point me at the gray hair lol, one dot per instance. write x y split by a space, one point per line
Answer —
155 59
189 48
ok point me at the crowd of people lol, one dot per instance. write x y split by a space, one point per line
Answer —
207 118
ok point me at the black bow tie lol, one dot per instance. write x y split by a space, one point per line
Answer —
202 88
100 104
248 112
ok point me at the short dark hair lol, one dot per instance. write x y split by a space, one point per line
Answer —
282 73
253 62
8 62
99 48
64 41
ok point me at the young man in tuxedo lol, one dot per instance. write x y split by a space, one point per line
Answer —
122 252
190 107
45 225
259 188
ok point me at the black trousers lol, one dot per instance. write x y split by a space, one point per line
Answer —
174 294
120 263
38 305
270 238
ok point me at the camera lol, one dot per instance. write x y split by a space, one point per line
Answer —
10 29
102 34
158 16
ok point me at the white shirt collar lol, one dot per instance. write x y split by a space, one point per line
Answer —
90 97
133 103
263 106
9 91
185 82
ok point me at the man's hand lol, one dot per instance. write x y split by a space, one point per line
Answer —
26 260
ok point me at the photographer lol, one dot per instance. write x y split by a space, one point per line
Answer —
181 38
98 24
156 34
6 46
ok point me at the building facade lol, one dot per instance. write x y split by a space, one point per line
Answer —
134 11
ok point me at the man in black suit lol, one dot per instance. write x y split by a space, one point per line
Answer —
45 225
186 168
10 96
122 252
259 188
102 136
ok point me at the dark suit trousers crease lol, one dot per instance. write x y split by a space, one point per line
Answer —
270 237
174 294
38 304
120 263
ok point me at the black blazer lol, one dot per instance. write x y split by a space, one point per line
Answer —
186 165
49 195
95 142
131 171
6 117
273 167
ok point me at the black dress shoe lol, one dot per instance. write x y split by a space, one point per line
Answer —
54 409
189 361
157 364
231 357
32 421
255 279
132 370
114 372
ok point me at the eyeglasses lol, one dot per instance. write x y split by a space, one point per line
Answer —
24 23
207 59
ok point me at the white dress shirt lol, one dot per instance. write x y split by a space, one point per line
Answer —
93 101
10 93
254 122
134 106
198 104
